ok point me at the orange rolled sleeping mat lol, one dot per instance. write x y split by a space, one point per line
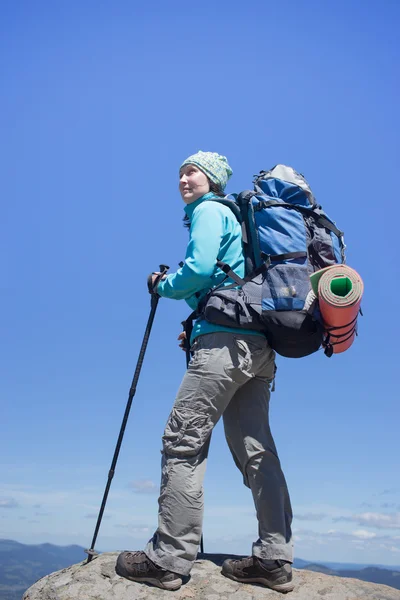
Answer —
339 290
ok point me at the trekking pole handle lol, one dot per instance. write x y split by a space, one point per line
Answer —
153 286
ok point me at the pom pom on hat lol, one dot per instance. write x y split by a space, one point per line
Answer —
214 165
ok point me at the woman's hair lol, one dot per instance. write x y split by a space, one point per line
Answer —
215 189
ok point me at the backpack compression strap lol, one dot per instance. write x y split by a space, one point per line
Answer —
308 212
280 257
238 280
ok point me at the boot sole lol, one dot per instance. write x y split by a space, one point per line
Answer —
279 587
167 585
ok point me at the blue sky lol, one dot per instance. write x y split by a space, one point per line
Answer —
100 104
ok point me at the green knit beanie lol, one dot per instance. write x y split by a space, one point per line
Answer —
214 165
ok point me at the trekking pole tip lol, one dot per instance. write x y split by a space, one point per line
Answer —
91 554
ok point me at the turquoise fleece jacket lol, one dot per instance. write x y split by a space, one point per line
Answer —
214 234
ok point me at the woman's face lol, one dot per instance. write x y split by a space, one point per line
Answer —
193 183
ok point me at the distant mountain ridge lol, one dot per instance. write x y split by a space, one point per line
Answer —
370 574
300 563
366 572
21 565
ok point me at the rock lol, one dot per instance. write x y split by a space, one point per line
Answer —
98 581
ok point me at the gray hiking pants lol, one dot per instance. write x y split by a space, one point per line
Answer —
228 375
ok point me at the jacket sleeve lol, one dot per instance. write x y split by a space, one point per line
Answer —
206 233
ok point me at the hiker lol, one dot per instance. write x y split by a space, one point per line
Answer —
229 375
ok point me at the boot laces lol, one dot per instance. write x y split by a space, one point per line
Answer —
130 556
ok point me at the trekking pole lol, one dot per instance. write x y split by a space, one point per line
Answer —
154 302
187 350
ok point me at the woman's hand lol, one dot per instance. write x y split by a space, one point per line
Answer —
182 339
154 277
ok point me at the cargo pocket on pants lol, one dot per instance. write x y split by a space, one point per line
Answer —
242 354
185 433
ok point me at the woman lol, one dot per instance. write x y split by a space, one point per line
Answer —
229 374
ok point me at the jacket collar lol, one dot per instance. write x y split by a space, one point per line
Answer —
189 208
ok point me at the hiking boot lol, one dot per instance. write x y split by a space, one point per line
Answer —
275 574
136 566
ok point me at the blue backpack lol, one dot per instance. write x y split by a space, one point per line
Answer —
286 237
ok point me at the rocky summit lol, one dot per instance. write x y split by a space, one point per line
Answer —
98 581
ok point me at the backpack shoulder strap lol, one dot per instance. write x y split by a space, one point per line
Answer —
241 207
240 213
230 204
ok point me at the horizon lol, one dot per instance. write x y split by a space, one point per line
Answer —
102 102
298 558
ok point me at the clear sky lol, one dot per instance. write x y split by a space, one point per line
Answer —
100 103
